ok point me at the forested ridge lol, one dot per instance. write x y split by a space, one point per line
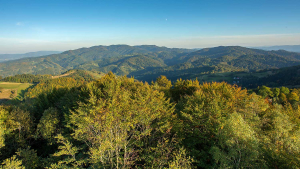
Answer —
119 122
147 62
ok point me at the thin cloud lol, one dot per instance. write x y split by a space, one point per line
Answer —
19 24
37 29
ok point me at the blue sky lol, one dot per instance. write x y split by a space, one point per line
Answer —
27 25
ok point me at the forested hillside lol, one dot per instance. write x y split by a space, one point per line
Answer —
76 74
220 60
148 62
118 122
93 58
289 76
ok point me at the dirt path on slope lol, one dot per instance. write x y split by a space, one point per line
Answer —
66 74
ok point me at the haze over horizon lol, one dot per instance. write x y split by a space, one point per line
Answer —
28 26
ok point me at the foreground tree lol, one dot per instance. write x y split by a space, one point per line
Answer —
206 124
122 124
118 122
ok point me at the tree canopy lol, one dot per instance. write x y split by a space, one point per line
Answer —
119 122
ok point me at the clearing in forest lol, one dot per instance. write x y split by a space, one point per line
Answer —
9 90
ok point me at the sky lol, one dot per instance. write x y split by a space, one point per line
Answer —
59 25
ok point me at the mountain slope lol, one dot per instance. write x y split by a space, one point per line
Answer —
58 63
288 76
7 57
124 65
147 62
221 59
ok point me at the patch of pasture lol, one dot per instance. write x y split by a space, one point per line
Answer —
9 90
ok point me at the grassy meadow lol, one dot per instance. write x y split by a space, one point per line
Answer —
9 90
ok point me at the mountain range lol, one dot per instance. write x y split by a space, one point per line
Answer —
6 57
291 48
147 62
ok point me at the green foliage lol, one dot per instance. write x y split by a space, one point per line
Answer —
27 78
48 124
265 91
82 75
162 81
280 144
119 122
51 85
282 98
293 97
276 92
2 144
204 115
285 90
66 149
120 117
163 84
238 146
16 129
12 163
29 158
281 95
181 160
20 122
3 118
183 88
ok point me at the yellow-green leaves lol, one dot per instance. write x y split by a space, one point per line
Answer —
237 145
3 118
69 151
120 116
181 160
47 126
12 163
29 158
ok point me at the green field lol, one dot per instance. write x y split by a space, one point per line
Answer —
17 86
7 88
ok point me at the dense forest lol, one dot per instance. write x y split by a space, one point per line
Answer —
77 74
289 76
119 122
